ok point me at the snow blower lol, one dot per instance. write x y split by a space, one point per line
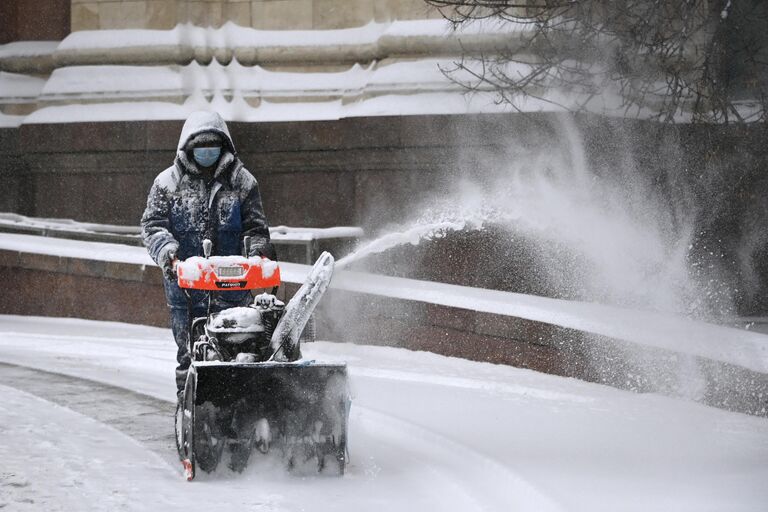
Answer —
248 387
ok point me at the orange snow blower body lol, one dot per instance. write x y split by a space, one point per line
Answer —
248 388
220 273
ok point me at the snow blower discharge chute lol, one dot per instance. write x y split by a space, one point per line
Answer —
248 387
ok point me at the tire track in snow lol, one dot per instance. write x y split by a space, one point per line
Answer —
147 420
479 475
57 460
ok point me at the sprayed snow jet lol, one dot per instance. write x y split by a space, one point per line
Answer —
632 242
604 230
413 235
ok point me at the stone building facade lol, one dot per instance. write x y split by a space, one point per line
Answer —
261 14
54 19
34 21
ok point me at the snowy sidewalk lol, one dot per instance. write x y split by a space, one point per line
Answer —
427 432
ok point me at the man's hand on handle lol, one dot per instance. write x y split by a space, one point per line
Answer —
264 249
168 264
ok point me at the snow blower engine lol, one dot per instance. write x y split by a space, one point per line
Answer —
248 387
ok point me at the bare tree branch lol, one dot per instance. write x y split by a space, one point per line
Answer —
705 60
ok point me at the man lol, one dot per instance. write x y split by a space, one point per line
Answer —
206 193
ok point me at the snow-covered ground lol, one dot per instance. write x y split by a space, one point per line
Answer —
427 432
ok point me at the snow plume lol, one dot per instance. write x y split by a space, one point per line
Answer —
433 219
612 235
751 253
606 224
625 240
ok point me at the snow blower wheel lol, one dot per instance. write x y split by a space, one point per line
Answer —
185 421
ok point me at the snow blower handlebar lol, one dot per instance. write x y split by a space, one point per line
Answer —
223 273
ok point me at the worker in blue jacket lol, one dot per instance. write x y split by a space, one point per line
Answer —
206 194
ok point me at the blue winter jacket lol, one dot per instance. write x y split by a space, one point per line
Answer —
182 209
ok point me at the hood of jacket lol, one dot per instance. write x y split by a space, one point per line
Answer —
205 122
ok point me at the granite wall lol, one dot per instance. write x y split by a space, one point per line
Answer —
315 174
38 20
374 172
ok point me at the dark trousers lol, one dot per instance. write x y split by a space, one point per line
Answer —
180 322
178 301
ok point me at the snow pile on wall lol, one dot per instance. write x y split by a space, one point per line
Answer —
647 328
27 57
125 82
19 88
27 49
249 45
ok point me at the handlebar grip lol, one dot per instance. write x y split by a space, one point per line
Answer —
207 247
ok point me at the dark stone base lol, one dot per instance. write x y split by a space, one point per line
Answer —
36 284
373 172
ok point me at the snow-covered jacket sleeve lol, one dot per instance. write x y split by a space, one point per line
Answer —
253 218
155 223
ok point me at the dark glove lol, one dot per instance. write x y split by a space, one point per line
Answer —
263 248
167 263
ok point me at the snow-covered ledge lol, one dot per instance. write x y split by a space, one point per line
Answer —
108 281
117 282
35 57
729 345
251 46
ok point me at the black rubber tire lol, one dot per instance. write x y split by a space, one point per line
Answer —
342 454
239 458
341 459
207 453
184 423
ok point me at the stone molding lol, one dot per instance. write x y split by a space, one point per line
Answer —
318 54
329 48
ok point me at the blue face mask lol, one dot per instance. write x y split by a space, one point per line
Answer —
206 157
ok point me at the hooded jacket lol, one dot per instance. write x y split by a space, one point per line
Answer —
183 209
